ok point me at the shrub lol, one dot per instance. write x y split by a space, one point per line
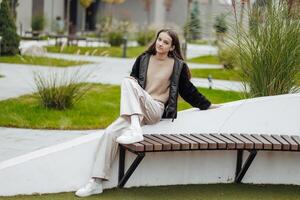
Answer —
144 37
227 57
60 90
269 54
8 32
115 38
38 23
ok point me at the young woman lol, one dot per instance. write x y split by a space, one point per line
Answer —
147 95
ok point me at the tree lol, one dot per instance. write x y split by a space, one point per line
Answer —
220 26
8 31
194 24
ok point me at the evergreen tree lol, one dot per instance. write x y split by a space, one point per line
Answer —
194 22
8 31
220 26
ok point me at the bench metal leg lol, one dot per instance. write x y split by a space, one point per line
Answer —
124 178
241 173
121 162
239 162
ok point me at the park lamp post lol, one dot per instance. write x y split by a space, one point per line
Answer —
0 44
125 46
210 81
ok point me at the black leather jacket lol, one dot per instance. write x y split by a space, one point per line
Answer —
179 83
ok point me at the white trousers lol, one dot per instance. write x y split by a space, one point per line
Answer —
134 100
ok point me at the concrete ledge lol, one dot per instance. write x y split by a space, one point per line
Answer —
67 166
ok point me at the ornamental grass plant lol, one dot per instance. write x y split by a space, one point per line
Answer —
61 90
268 52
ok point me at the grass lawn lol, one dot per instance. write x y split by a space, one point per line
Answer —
43 61
223 74
200 42
209 59
185 192
98 109
132 52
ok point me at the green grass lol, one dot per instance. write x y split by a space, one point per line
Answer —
223 74
209 59
132 52
43 61
200 42
98 109
185 192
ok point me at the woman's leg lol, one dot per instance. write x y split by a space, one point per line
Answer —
107 148
104 156
137 106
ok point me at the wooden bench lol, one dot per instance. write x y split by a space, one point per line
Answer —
195 142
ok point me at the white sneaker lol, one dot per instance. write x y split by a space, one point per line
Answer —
131 136
92 187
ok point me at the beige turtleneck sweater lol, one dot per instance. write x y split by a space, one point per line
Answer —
158 78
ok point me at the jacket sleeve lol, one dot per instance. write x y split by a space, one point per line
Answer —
190 93
135 68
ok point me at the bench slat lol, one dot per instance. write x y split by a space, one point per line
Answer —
285 144
275 144
193 144
220 143
239 144
148 146
296 139
266 143
248 144
174 145
202 144
294 145
257 144
211 144
230 144
137 147
165 145
183 144
157 146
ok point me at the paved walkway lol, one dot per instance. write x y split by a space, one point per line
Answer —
15 142
18 78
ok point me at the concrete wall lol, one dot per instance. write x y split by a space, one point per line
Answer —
133 10
52 9
67 166
24 12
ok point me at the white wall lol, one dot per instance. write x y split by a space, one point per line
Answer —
67 166
52 8
24 12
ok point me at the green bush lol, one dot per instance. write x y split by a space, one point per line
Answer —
144 37
60 90
115 38
269 54
226 56
8 32
38 23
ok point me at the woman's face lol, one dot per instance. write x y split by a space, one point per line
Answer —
163 43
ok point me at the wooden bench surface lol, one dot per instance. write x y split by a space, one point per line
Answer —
178 142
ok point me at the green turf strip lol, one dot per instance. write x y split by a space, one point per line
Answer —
185 192
223 74
42 61
97 109
209 59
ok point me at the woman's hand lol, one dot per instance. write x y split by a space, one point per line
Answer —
213 106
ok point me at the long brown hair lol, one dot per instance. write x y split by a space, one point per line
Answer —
176 53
